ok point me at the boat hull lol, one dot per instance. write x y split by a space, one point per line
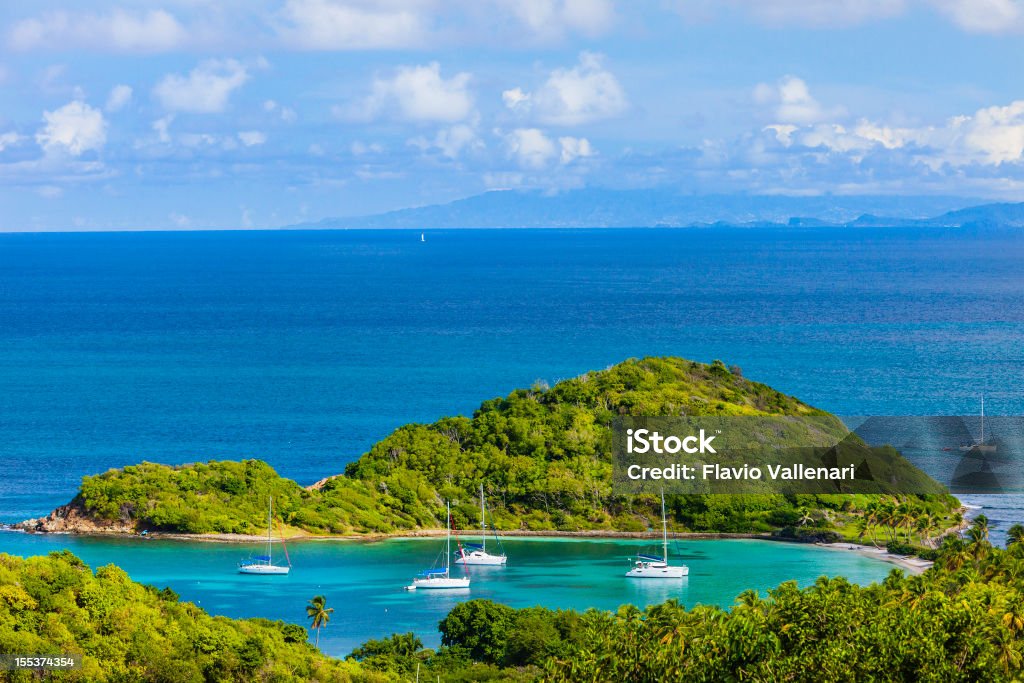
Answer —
656 572
481 559
441 583
263 569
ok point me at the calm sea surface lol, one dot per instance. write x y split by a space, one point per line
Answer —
303 348
365 581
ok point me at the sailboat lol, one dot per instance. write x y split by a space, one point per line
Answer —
980 446
473 553
423 237
264 564
650 567
441 578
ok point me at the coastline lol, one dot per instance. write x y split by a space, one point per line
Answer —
912 564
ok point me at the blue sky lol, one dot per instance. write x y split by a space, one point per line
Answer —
250 113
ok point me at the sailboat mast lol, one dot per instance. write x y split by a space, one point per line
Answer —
983 419
448 537
483 523
664 530
270 525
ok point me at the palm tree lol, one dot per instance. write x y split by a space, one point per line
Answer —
1015 534
805 517
320 613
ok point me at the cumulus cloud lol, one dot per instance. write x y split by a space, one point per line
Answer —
574 148
584 93
351 24
74 128
286 114
9 139
532 149
792 102
119 30
205 90
984 16
451 141
252 138
553 18
418 94
996 133
119 96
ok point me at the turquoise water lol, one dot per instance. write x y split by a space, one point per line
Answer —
364 581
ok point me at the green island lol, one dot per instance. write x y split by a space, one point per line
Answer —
961 620
543 455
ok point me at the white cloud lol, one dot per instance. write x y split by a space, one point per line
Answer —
792 102
252 138
205 89
451 141
574 148
286 114
997 133
417 93
984 16
530 147
119 96
162 128
585 93
49 191
359 148
9 139
151 31
351 24
516 99
74 128
549 19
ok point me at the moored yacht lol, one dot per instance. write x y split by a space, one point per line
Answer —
440 578
264 564
651 567
476 553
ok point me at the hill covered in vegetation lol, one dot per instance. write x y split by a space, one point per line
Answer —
543 455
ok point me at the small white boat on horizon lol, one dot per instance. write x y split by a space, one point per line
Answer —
980 446
434 579
651 567
476 553
264 564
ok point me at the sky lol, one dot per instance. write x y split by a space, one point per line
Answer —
193 114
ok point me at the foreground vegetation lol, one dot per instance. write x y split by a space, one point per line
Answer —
543 454
129 632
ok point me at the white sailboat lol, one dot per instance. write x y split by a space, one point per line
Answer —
980 446
650 567
476 554
264 564
441 578
423 237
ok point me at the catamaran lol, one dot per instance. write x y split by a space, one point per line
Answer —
650 567
441 578
473 553
264 564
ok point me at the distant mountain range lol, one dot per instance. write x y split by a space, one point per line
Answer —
595 208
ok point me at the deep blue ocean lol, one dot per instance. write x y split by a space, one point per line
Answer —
303 348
